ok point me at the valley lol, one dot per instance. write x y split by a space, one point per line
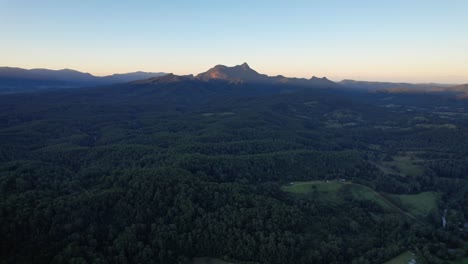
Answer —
176 168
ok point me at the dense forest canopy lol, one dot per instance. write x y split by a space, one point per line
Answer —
167 171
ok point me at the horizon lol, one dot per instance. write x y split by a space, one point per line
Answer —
195 74
417 42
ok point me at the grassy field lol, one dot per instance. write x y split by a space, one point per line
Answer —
329 187
412 206
324 190
406 165
418 204
403 258
361 192
330 190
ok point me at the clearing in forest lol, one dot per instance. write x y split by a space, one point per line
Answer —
403 258
336 191
418 204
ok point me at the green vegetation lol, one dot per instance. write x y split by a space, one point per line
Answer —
340 191
420 204
324 187
334 191
164 173
407 164
323 190
460 261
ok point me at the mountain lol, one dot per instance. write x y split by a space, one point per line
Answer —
447 90
220 83
243 74
463 87
239 73
175 167
65 75
230 163
20 80
390 86
129 77
168 78
460 90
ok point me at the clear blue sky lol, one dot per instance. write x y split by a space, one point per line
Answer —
395 40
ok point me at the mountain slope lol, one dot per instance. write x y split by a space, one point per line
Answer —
20 80
460 90
390 86
243 73
237 73
129 77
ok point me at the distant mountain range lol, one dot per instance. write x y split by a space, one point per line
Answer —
375 86
460 91
20 80
242 74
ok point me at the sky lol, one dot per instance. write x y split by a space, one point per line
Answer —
385 40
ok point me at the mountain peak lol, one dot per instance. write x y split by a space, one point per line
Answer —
245 66
244 74
238 73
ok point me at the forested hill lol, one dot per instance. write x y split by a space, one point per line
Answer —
14 80
178 167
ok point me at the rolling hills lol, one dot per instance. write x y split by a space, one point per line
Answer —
21 80
175 168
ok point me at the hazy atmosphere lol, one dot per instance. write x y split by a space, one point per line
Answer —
412 41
